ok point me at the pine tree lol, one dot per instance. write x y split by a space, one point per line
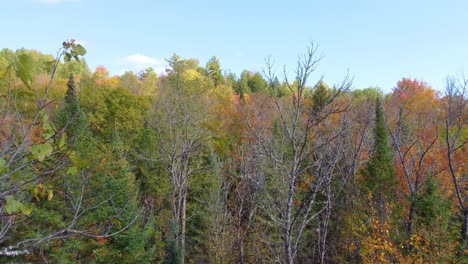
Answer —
434 231
71 118
320 96
379 174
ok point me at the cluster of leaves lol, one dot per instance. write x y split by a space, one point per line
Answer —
73 50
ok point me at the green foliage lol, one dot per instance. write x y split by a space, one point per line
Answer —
109 185
379 175
214 71
149 80
430 205
3 166
435 231
73 50
130 81
110 110
369 93
106 152
178 66
21 64
12 206
250 83
71 118
173 255
77 68
42 151
320 96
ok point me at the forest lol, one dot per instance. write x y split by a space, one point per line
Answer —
198 165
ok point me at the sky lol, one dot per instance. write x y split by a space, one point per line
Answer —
377 42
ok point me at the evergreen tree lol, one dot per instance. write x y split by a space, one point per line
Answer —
214 71
435 231
320 96
379 174
71 118
97 176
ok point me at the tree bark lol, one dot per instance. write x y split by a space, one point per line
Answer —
465 226
182 228
241 251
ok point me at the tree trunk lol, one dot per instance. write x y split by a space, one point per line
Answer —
241 251
465 227
287 224
324 229
287 247
410 220
182 227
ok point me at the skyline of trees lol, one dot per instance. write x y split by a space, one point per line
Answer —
199 165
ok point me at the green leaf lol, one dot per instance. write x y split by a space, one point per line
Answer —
26 209
44 117
13 205
25 70
67 57
79 50
72 171
16 176
63 140
50 195
47 126
117 222
42 151
34 192
2 165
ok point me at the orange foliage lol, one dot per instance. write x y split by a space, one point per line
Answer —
413 117
101 241
101 74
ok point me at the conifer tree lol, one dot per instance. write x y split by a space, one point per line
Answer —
379 174
320 96
71 118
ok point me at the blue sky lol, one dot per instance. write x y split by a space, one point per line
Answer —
379 42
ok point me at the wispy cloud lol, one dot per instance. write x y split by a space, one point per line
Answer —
138 62
54 2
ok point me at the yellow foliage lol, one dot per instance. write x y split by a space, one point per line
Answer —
192 75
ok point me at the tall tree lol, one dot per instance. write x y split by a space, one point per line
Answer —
288 139
379 174
71 118
413 111
214 71
375 221
179 117
456 139
149 80
130 81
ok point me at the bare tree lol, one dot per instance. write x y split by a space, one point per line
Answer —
246 174
219 232
456 120
353 148
291 141
413 151
179 118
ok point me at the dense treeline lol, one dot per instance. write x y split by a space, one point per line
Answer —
198 165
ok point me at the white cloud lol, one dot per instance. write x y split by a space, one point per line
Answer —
53 2
142 60
160 70
138 62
